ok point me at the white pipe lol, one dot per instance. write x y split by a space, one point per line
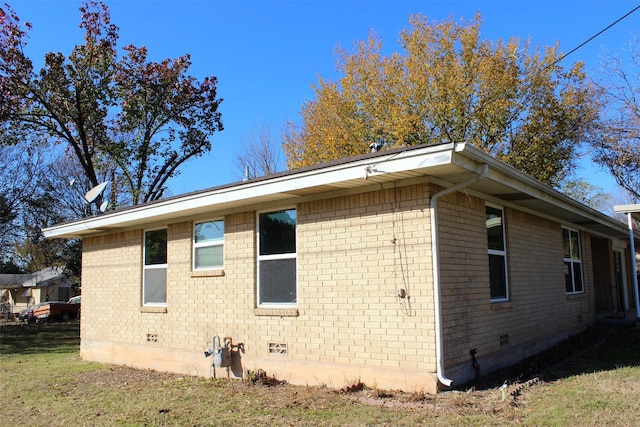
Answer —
435 252
633 263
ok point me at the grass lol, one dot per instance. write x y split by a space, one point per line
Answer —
591 379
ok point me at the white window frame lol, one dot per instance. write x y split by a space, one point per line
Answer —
288 255
502 253
573 261
206 245
146 267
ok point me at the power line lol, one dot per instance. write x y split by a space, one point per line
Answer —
596 35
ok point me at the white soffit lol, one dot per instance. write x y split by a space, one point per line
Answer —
343 175
446 164
634 210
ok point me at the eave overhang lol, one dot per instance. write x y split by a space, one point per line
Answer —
634 210
442 164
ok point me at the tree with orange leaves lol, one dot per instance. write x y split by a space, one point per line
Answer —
448 85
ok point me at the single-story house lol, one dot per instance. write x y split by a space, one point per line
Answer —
412 269
20 291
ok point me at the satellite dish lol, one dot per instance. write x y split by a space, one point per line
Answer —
376 146
104 206
95 192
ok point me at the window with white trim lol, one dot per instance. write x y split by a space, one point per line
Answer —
572 261
277 258
497 253
154 287
208 245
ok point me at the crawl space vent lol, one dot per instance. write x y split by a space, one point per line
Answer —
277 348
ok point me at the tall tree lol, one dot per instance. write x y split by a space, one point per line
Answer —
129 118
447 85
617 142
21 172
259 156
589 194
39 211
31 198
70 183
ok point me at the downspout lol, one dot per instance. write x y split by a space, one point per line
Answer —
435 251
633 264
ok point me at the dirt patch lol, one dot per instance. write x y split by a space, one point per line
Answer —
122 377
494 394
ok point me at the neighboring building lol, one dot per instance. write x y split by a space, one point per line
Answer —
394 268
20 291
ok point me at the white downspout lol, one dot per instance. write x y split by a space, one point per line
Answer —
435 251
634 272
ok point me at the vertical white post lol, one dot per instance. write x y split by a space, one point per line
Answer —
634 272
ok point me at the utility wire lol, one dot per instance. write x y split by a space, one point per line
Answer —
593 37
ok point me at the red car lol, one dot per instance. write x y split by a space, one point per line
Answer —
56 310
26 315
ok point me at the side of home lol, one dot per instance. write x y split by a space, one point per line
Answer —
338 319
502 316
403 270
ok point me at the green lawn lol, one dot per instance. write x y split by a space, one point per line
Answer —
593 379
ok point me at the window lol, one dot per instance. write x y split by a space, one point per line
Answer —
497 254
154 290
277 258
208 245
572 263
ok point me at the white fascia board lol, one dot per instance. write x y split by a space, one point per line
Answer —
633 210
251 193
627 208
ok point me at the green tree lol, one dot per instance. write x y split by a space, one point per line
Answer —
127 118
448 85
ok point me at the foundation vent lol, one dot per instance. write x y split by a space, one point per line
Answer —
277 348
504 339
152 337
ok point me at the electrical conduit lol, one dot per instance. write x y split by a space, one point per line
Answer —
435 251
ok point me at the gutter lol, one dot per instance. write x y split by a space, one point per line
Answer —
435 251
311 181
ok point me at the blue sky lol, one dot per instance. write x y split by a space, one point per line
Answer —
267 54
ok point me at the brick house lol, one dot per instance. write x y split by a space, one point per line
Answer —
403 269
20 291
